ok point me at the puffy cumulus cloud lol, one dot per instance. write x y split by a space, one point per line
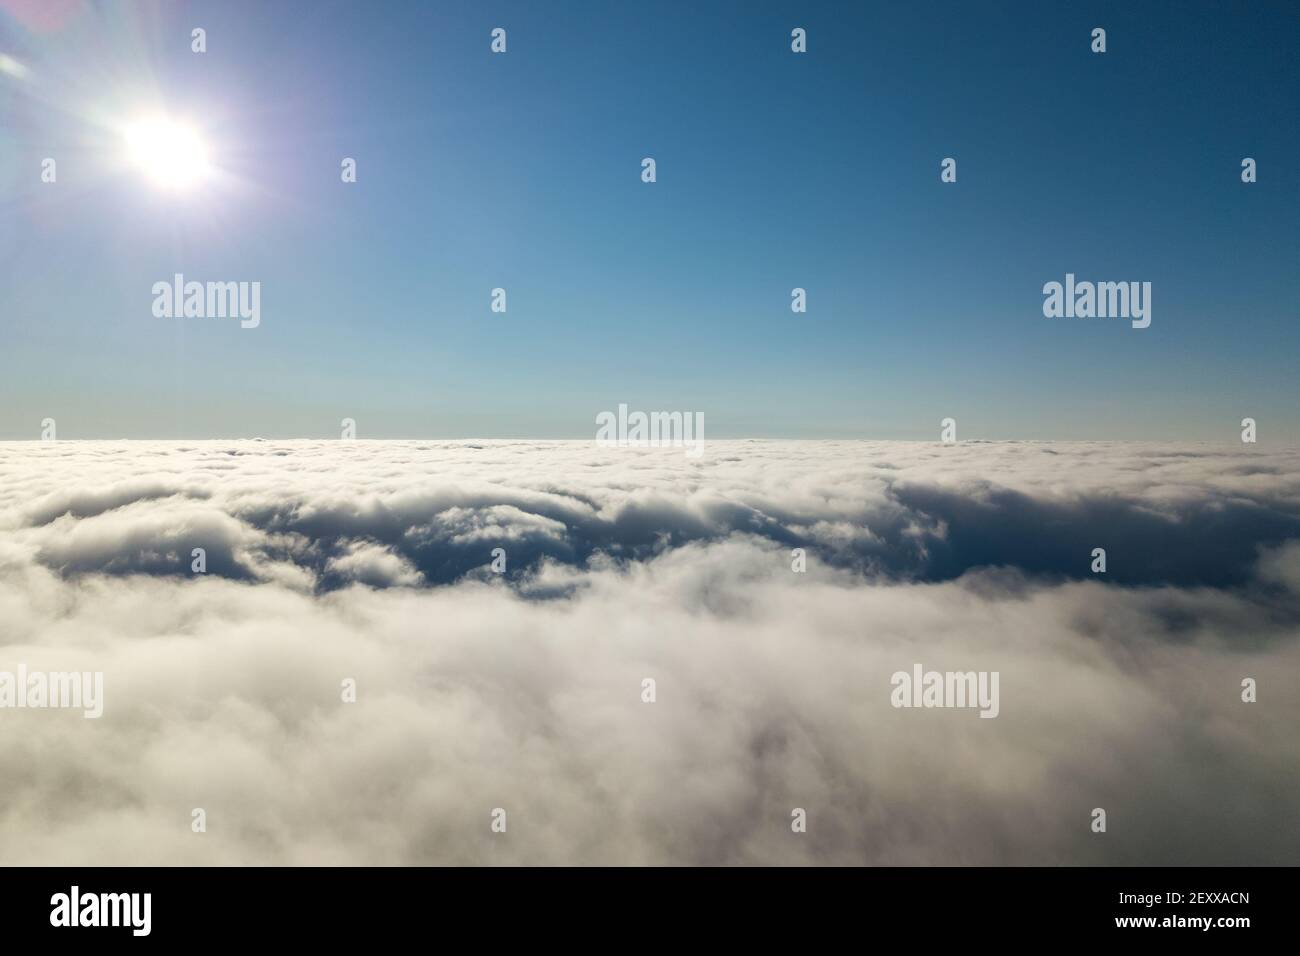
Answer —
1176 514
375 565
366 560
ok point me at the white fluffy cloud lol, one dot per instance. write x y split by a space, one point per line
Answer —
367 560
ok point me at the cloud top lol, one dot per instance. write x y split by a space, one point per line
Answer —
370 561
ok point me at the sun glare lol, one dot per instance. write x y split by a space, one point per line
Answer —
173 155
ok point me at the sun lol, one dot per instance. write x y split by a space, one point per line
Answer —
173 155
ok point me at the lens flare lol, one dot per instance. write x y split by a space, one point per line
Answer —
173 155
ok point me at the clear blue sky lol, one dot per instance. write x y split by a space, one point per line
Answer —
775 170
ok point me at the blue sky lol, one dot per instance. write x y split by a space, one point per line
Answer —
775 170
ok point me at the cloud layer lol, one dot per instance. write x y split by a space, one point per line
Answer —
370 561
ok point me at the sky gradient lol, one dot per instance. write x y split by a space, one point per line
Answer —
775 170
